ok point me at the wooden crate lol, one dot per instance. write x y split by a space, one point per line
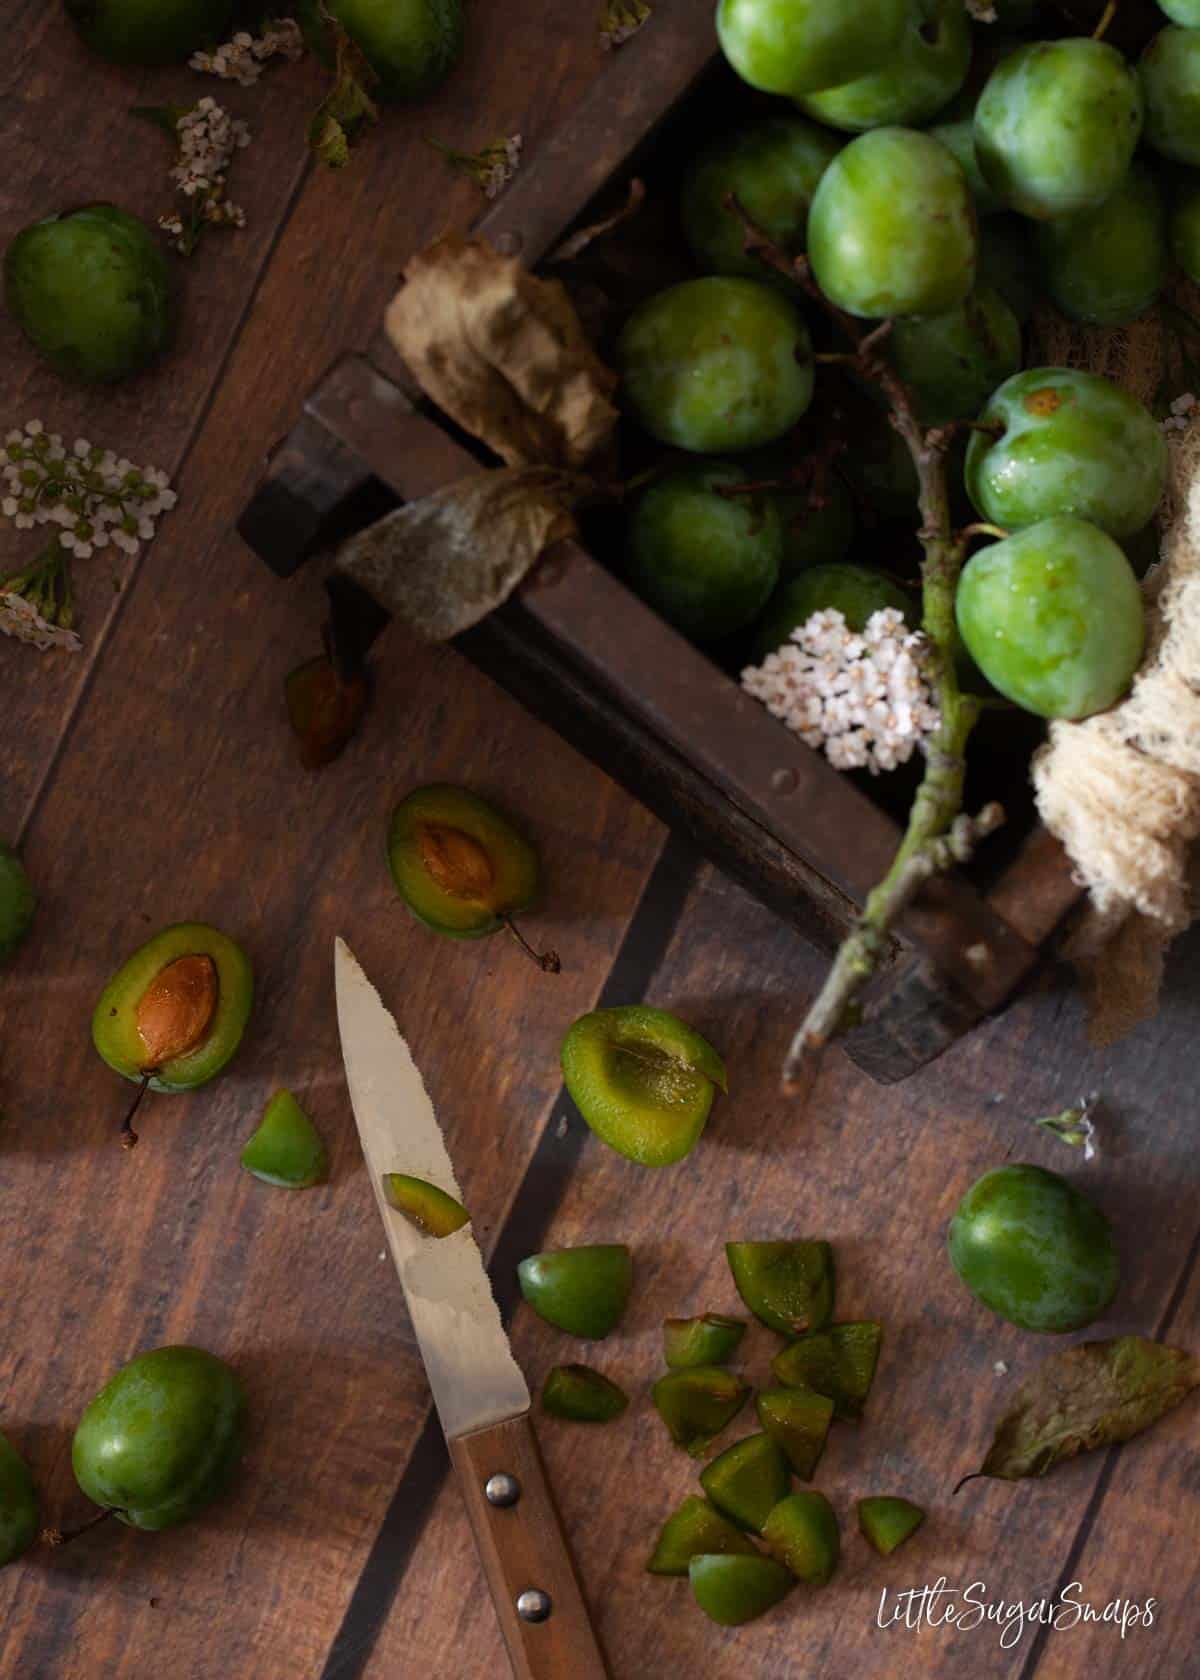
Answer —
587 655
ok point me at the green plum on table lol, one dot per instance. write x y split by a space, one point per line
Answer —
18 901
578 1394
788 1286
696 1529
1169 69
802 1532
150 31
887 1521
772 167
916 81
19 1517
747 1480
697 1403
1107 266
90 289
160 1441
952 363
712 1339
1068 441
411 45
1053 617
1056 126
1032 1248
287 1149
581 1290
706 561
892 228
733 1590
722 363
796 46
797 1420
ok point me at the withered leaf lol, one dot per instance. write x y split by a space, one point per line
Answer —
1094 1395
446 561
504 354
578 242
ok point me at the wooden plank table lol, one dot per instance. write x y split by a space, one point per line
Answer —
151 779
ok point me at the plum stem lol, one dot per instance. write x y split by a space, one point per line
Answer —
1106 17
129 1137
547 961
938 835
981 528
59 1537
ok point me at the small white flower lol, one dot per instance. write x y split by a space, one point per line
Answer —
34 428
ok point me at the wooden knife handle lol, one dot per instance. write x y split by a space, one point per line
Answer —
528 1564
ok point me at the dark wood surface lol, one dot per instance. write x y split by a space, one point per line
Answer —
152 780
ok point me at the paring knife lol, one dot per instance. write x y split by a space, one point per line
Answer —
481 1396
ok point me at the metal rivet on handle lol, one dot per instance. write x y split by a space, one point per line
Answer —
502 1490
534 1605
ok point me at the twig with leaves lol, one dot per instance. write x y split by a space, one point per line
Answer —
936 835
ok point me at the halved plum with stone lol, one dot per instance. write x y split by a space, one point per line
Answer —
892 230
1057 125
717 364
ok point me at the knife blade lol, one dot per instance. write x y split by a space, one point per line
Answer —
481 1396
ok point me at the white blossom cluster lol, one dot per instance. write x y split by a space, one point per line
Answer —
21 618
93 496
983 11
865 699
621 19
244 59
1183 411
208 140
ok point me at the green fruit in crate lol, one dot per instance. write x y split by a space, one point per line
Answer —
706 561
1170 75
580 1290
747 1480
174 1014
159 1442
150 31
1107 266
1053 617
458 864
735 1590
643 1081
1071 442
953 362
411 45
1056 126
878 465
696 1529
958 137
797 46
914 83
1185 229
1186 13
802 1532
90 290
811 535
855 591
18 901
772 167
19 1521
717 364
1033 1249
286 1150
891 230
1006 263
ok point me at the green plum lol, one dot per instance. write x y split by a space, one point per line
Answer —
1056 126
90 289
838 1362
150 31
1070 442
788 1286
19 1520
772 166
732 1590
643 1080
18 901
953 362
914 83
1028 1245
706 561
798 1421
1053 617
747 1480
459 864
1185 228
161 1439
579 1394
812 535
581 1290
855 591
710 1340
286 1150
802 1532
892 227
411 45
886 1521
1169 69
722 363
1107 266
797 46
697 1403
696 1529
958 137
1006 263
1186 13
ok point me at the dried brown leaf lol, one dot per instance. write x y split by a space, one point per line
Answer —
1094 1395
445 562
579 242
504 354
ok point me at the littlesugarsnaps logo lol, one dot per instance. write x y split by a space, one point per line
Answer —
967 1608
